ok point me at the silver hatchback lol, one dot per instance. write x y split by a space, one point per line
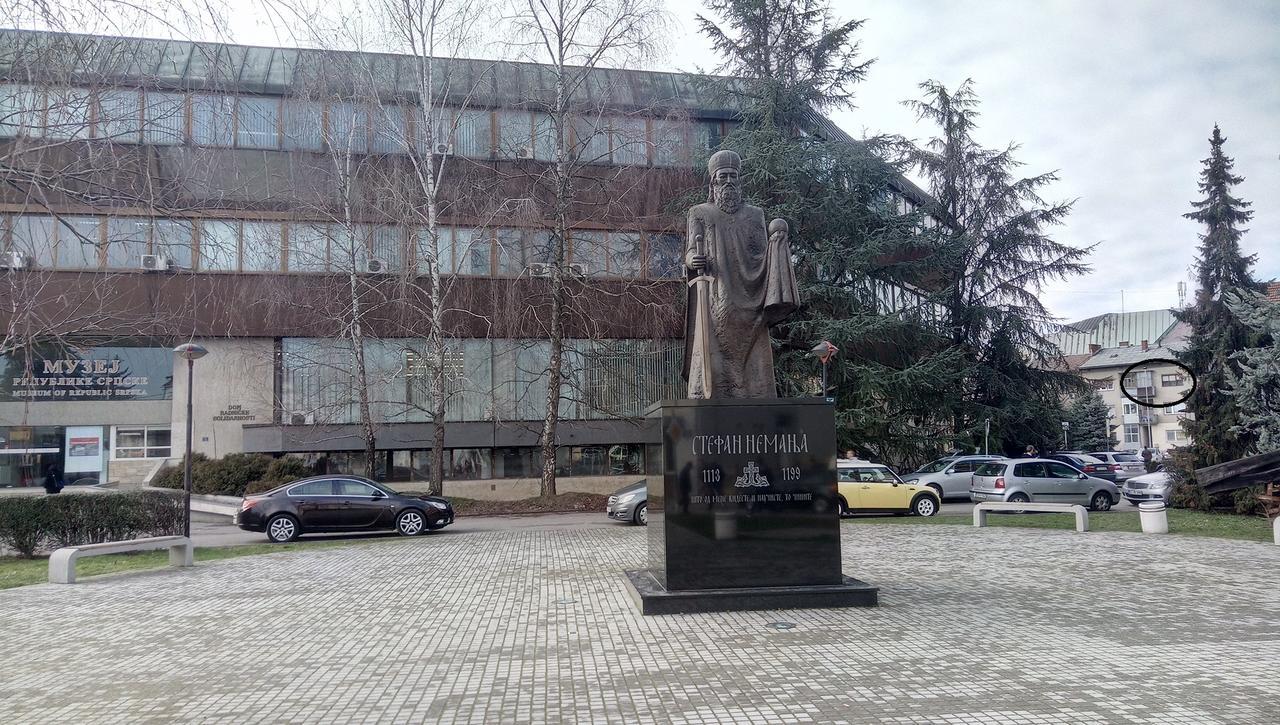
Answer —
1126 465
1038 479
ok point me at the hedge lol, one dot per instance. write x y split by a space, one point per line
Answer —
33 523
235 474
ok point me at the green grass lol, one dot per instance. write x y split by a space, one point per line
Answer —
15 572
1186 523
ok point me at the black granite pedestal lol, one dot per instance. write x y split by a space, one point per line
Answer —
742 509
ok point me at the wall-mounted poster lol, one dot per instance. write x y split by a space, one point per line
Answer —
83 452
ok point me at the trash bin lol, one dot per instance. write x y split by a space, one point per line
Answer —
1152 515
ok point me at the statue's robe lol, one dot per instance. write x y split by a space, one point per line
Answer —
752 287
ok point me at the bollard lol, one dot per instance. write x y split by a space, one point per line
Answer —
1152 515
1275 528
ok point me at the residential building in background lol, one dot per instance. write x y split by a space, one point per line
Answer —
160 191
1102 348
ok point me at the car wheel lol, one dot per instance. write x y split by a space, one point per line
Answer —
410 522
282 528
924 506
843 507
642 515
936 489
1019 498
1101 502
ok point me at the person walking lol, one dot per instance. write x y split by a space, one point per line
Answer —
53 481
1031 452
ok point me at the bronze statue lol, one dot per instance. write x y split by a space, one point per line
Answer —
740 284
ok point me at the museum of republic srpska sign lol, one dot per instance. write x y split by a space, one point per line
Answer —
89 374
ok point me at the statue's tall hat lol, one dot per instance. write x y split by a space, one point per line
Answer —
724 159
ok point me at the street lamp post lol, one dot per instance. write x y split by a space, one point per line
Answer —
986 436
1066 445
190 352
824 351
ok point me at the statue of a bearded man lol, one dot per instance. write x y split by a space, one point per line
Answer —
741 283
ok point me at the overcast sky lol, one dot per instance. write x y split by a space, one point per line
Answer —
1118 97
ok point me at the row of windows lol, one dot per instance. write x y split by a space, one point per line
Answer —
274 122
228 245
485 380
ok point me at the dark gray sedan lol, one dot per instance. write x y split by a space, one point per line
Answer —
340 503
630 503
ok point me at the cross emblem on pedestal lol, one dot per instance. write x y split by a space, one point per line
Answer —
751 477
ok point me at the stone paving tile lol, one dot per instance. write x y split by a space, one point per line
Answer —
1001 626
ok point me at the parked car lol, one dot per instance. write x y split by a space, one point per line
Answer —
1041 479
1086 463
1124 463
1148 487
630 503
949 477
866 487
340 503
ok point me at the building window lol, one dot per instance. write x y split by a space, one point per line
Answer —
68 116
172 238
1103 384
670 147
219 246
444 251
33 237
1130 408
1172 380
544 137
474 249
141 442
1131 433
348 128
627 137
515 134
166 116
472 135
387 246
213 119
591 249
666 256
126 241
262 245
21 110
591 139
78 240
257 123
119 116
390 132
302 125
308 248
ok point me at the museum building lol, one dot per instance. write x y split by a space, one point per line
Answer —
260 201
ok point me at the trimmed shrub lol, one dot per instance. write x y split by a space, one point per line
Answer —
227 476
279 472
31 523
24 524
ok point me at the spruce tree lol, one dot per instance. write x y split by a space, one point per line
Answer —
791 60
1216 333
1090 430
998 250
1256 389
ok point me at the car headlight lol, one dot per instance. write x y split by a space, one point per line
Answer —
627 498
439 504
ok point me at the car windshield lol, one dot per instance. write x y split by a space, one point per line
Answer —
877 474
990 469
936 466
1126 458
1083 459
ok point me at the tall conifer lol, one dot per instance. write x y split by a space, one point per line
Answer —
1216 333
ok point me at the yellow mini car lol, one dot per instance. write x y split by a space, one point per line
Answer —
866 487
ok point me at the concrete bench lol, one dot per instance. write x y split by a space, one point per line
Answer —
62 564
980 511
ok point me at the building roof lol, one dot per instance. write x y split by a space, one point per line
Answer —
1113 328
1117 357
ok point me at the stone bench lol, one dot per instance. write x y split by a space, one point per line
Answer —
62 564
980 511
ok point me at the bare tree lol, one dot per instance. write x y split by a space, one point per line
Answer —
572 39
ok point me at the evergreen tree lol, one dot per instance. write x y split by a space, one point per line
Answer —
997 253
1216 333
1090 430
893 375
1256 388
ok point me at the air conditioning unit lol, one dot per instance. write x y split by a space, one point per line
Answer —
301 419
525 152
13 260
578 269
375 266
444 149
155 262
539 269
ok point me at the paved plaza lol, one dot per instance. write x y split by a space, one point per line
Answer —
993 626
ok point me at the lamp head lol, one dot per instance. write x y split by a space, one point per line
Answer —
190 351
